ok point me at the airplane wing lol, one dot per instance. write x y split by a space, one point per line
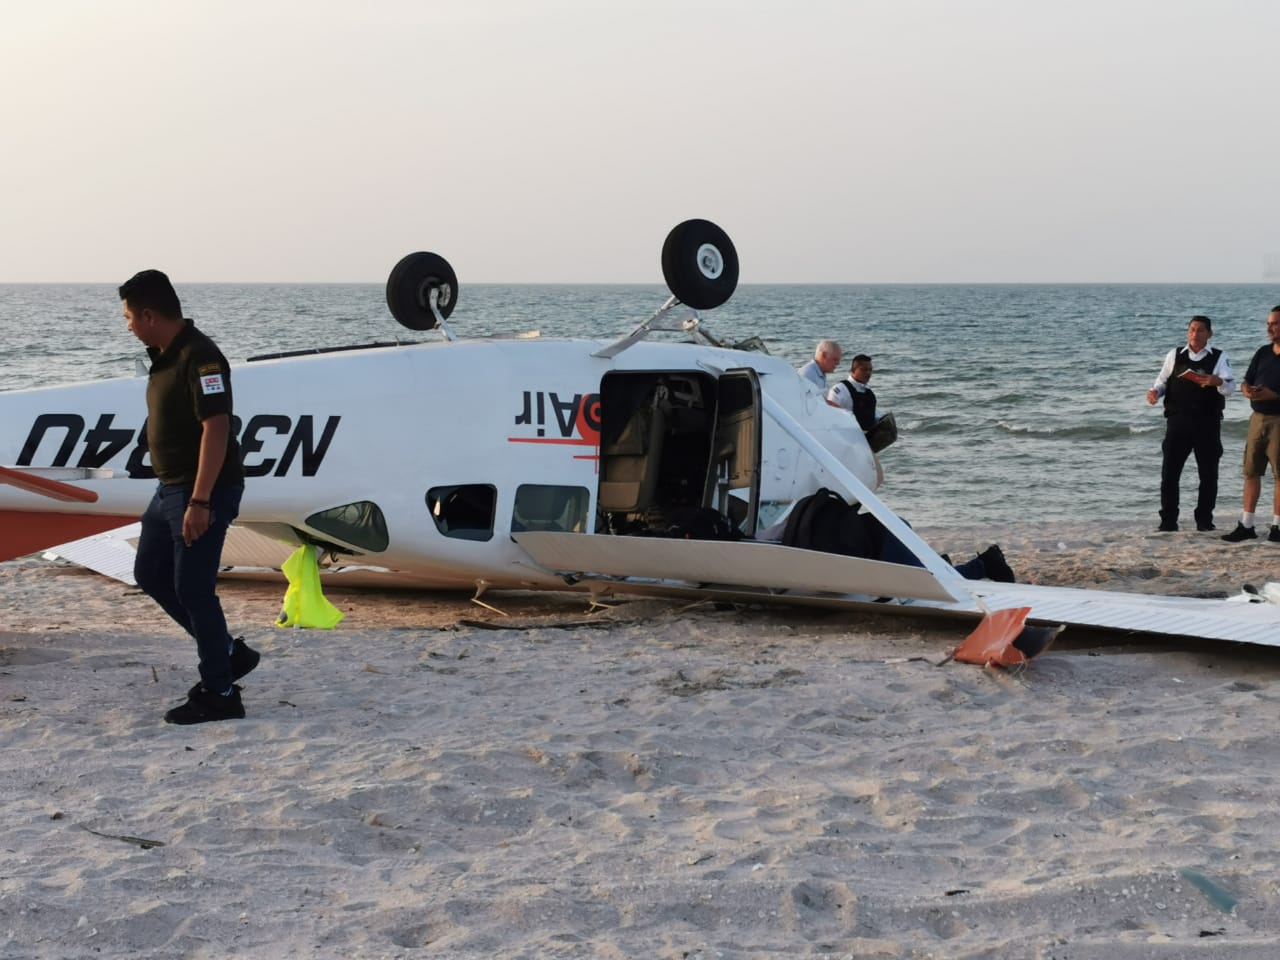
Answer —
1196 617
110 553
780 570
751 571
246 555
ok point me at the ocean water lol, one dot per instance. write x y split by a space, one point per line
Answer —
1015 403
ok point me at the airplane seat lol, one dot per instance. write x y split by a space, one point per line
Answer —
630 462
553 508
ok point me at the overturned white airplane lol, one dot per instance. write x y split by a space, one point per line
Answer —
535 463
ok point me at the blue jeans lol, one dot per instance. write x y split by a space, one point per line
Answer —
182 579
893 550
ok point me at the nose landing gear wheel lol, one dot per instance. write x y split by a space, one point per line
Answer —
410 286
700 264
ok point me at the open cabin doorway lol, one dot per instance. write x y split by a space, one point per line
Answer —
675 440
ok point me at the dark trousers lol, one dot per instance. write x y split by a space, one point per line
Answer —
1184 435
182 579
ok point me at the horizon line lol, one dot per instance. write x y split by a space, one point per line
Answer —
659 283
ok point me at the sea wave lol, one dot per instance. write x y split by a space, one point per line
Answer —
1072 434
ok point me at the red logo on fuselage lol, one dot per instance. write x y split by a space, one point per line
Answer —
552 418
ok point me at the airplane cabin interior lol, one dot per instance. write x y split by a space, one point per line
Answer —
674 441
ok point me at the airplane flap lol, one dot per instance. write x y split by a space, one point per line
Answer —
747 563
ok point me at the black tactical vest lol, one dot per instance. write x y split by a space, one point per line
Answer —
1184 397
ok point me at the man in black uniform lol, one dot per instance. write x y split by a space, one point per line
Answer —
1195 382
1262 386
197 461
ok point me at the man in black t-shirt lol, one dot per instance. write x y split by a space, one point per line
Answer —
196 460
1262 386
1194 381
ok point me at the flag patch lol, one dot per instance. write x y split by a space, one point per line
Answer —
212 384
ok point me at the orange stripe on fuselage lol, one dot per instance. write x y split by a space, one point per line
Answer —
26 531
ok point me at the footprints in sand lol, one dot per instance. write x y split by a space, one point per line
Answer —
822 909
682 685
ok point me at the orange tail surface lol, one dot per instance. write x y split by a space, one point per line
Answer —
26 531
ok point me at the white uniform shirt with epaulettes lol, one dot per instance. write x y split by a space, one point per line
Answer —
857 398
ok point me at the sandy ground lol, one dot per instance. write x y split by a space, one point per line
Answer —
656 779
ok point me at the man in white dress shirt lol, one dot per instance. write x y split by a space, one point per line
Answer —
1195 382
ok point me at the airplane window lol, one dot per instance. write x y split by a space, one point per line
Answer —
360 524
541 506
465 511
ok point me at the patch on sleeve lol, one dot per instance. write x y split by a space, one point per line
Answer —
209 368
212 384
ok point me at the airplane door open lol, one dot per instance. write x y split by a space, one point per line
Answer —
733 473
676 439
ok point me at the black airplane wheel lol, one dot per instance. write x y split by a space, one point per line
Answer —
700 264
409 290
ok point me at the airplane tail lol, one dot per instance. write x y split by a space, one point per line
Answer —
27 531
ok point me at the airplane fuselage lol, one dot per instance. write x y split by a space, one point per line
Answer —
424 458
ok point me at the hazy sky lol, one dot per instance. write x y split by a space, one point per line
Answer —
559 140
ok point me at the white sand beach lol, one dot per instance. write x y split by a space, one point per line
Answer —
432 779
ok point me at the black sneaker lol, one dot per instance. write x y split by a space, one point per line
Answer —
203 706
1167 527
996 566
1241 532
1274 535
1205 526
243 658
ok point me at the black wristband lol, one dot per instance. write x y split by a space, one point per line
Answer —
199 503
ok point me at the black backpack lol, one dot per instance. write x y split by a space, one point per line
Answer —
824 521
